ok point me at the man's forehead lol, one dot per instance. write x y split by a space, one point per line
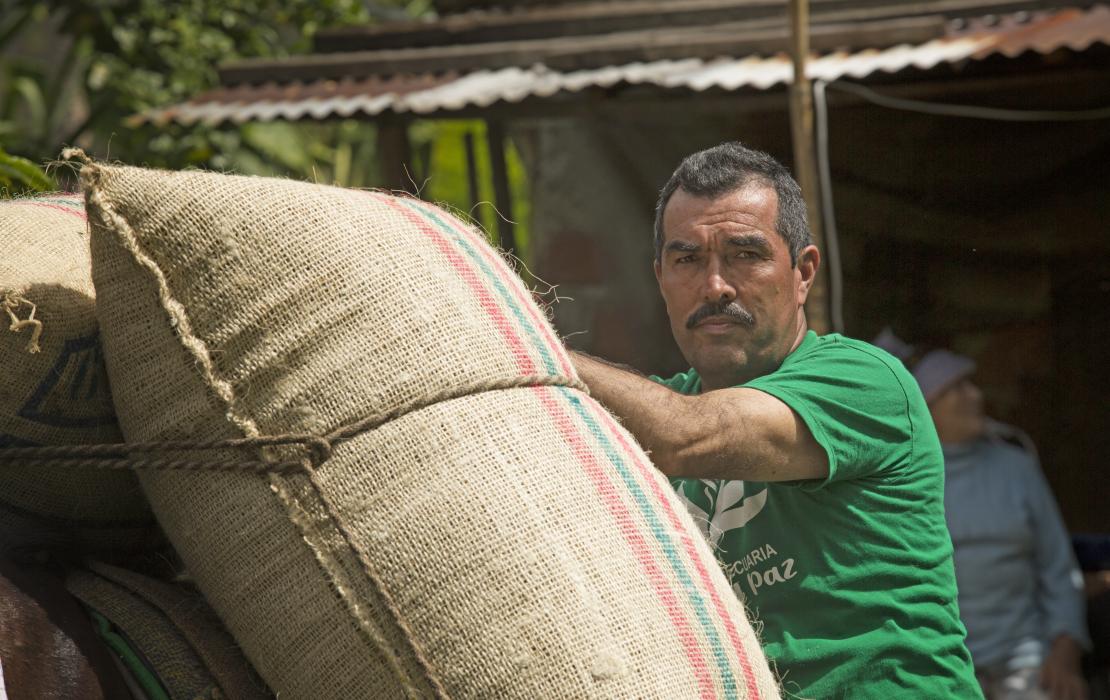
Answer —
752 205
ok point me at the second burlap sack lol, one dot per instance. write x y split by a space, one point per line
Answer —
485 541
54 390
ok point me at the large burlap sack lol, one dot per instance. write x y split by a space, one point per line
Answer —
504 543
54 389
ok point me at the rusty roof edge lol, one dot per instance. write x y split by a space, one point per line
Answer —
425 94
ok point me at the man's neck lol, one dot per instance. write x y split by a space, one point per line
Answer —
745 374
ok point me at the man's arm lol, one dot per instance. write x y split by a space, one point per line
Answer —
725 434
1062 671
1059 592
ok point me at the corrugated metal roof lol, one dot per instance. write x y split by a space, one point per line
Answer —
1009 36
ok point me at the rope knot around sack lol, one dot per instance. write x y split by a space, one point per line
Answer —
312 450
11 303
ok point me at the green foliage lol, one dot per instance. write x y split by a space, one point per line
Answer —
73 71
122 57
443 143
341 153
345 154
151 52
19 176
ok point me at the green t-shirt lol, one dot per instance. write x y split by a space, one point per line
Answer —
849 579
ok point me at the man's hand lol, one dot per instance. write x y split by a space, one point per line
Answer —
725 434
1061 674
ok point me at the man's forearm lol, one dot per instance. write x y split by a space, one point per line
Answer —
734 433
642 406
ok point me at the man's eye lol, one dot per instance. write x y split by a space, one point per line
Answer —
685 259
745 254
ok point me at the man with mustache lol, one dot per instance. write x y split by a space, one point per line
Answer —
810 460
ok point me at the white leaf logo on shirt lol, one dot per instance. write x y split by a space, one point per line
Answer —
730 493
725 517
722 497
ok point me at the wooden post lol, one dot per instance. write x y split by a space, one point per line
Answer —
805 163
471 171
502 197
395 156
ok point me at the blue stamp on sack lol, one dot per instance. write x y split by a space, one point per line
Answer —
74 393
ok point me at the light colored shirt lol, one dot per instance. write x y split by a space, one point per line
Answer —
1019 585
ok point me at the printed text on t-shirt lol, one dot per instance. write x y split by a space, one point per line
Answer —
755 570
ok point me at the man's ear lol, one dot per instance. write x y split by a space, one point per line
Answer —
658 272
809 260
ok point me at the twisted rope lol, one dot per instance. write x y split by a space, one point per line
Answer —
316 449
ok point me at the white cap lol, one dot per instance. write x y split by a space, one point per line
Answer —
940 369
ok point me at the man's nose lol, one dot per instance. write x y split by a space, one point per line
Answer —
717 288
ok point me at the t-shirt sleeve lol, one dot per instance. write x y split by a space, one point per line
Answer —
683 382
856 404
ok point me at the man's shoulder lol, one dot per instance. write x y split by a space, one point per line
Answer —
837 359
1011 459
834 346
861 404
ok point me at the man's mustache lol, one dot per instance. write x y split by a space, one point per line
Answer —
731 309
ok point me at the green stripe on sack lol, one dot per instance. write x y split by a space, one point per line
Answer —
506 297
76 203
657 529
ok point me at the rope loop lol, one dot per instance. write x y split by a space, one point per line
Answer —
315 449
12 301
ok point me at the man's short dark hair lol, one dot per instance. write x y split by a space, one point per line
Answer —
732 166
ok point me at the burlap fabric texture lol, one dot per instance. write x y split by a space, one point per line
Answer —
54 389
509 543
173 631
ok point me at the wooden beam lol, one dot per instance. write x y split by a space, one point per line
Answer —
471 171
395 156
502 195
805 163
631 15
526 7
571 53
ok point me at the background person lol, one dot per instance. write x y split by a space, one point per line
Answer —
1020 589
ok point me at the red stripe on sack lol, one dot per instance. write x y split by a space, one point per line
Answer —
610 497
691 551
80 214
483 245
520 353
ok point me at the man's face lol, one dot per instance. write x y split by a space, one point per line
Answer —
733 298
958 412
